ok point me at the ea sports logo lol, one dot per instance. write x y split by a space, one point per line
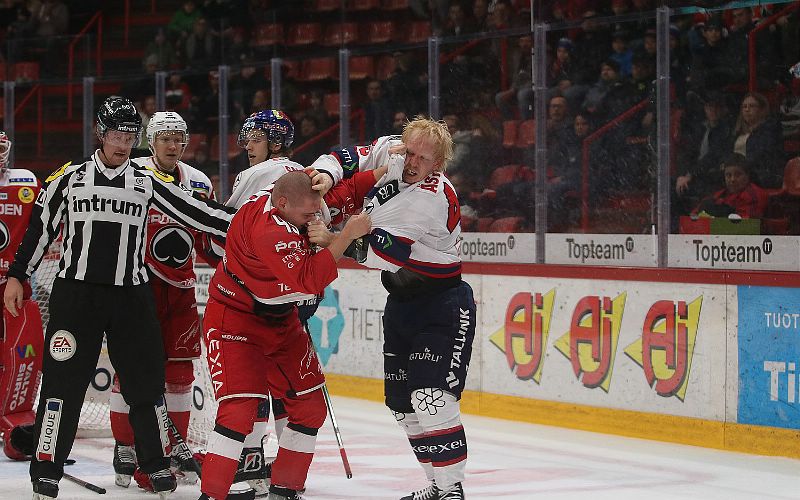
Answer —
62 345
5 236
172 246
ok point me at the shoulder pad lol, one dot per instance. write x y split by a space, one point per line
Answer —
59 172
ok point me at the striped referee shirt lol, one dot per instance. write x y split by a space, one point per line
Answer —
104 215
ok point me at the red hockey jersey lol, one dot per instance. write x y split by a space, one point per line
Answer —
271 258
18 191
170 245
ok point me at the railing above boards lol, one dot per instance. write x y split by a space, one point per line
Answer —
96 20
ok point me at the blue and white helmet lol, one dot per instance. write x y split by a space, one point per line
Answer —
166 121
273 123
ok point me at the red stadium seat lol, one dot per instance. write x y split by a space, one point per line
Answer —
338 34
510 173
303 34
395 4
419 31
233 148
362 5
510 130
484 223
379 32
331 104
266 35
507 225
326 5
526 135
26 71
319 68
384 67
291 69
362 67
468 223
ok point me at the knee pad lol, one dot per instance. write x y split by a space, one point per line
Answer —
237 414
436 409
395 383
180 373
308 411
409 422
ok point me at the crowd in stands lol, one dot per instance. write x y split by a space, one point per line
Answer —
597 70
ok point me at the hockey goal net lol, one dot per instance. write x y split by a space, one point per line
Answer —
94 420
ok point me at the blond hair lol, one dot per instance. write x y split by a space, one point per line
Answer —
434 131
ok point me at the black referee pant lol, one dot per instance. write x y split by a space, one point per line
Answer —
127 315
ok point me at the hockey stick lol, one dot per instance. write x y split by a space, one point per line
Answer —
89 486
182 450
329 405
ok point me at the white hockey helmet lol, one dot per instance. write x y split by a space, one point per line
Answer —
166 121
5 150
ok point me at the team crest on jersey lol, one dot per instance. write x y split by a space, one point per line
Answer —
62 345
58 173
5 236
26 195
172 246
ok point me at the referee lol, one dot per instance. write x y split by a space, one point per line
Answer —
101 287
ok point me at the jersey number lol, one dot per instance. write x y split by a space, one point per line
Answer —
453 208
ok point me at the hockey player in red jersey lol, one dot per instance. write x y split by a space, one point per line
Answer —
21 338
253 334
429 318
170 262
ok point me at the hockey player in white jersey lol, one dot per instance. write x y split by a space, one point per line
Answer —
429 319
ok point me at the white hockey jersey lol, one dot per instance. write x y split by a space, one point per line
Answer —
258 177
414 226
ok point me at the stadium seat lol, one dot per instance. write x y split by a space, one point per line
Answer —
26 71
233 148
291 69
526 134
361 67
507 225
379 32
303 34
325 5
484 223
419 32
362 5
384 67
510 173
510 129
319 68
331 104
266 35
338 34
775 226
468 224
395 4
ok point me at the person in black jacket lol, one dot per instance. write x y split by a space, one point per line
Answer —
101 287
759 138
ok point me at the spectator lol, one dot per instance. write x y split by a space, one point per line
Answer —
146 110
702 148
563 75
621 53
758 137
480 15
377 111
316 108
518 98
609 80
182 22
18 31
260 102
205 115
163 51
407 86
51 20
202 161
178 94
309 129
434 10
398 122
741 195
457 21
592 47
736 57
201 48
244 86
475 149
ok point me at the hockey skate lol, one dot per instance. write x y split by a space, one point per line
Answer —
124 464
279 493
456 492
430 492
45 489
163 483
254 470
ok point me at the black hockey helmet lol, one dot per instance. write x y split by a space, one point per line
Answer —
118 113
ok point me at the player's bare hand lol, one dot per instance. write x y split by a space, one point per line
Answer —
358 225
12 297
682 184
318 234
320 181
